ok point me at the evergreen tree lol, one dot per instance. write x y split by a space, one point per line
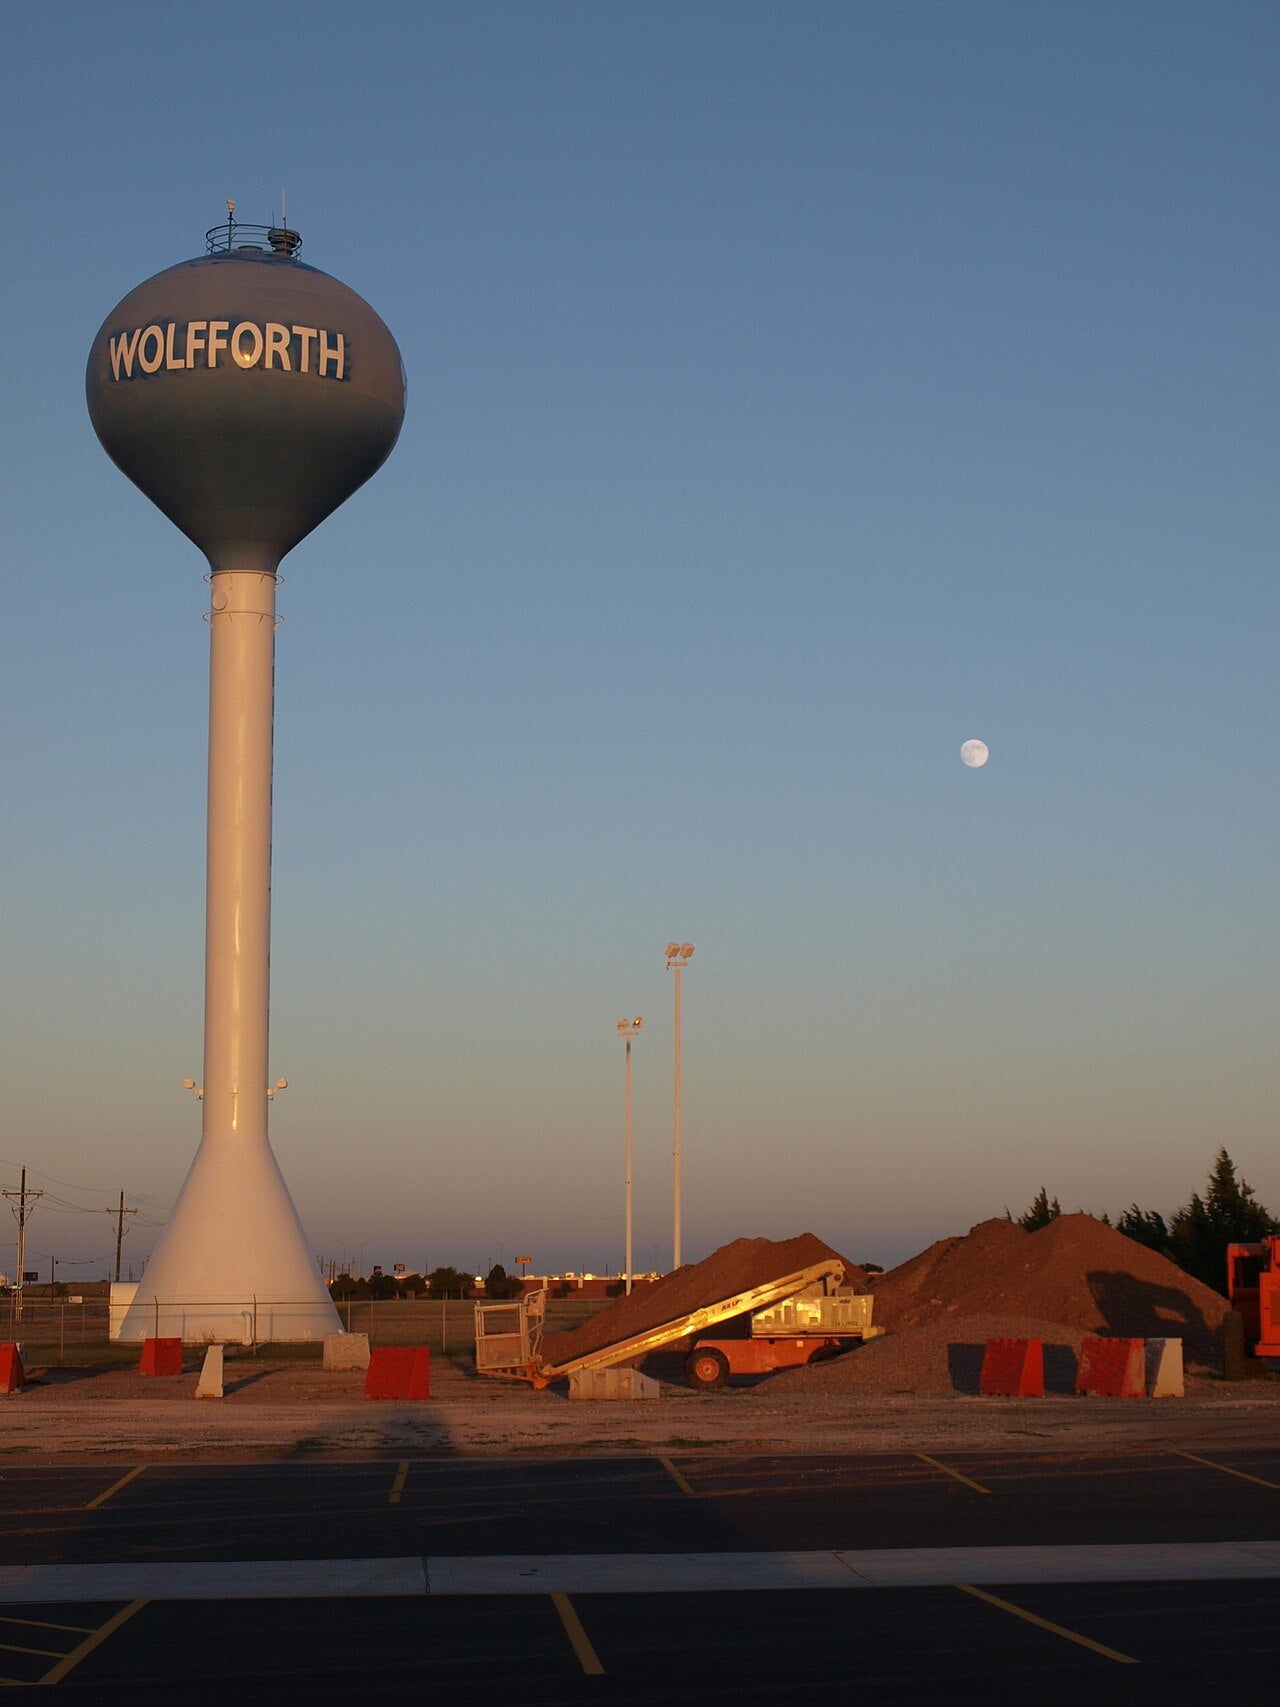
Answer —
1041 1212
499 1284
1228 1213
1145 1226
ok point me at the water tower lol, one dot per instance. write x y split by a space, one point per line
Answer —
247 395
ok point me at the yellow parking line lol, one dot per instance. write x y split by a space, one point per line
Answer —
397 1487
1045 1624
43 1653
588 1659
43 1624
948 1471
1226 1469
115 1487
90 1643
676 1477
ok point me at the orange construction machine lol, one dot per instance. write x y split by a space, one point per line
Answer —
1253 1288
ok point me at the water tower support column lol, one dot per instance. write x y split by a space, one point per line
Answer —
242 624
233 1256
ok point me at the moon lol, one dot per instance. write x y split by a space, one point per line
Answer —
974 754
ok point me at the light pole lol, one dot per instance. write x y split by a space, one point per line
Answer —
678 955
627 1028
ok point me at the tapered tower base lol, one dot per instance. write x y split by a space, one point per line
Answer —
232 1263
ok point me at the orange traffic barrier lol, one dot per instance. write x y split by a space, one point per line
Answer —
11 1377
161 1357
1114 1368
398 1372
1013 1369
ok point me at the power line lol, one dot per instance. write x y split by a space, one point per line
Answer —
85 1190
97 1190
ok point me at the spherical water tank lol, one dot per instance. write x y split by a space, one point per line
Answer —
247 394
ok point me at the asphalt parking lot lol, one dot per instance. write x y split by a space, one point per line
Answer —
976 1577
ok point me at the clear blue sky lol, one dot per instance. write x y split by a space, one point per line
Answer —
795 390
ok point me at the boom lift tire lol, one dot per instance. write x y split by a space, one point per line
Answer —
706 1368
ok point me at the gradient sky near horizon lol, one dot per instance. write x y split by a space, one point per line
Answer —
795 391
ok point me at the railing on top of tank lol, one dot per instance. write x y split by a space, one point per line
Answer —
277 239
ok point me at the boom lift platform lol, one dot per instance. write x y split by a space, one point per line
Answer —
775 1325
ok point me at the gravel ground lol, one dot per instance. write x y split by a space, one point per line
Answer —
297 1410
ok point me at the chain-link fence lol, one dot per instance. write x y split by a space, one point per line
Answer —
59 1328
56 1322
445 1324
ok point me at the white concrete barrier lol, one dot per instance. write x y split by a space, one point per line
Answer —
1164 1370
209 1385
612 1384
346 1351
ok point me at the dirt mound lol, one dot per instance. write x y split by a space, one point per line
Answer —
1075 1271
952 1268
734 1268
1075 1276
940 1357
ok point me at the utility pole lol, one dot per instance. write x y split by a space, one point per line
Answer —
678 956
120 1215
22 1194
627 1030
